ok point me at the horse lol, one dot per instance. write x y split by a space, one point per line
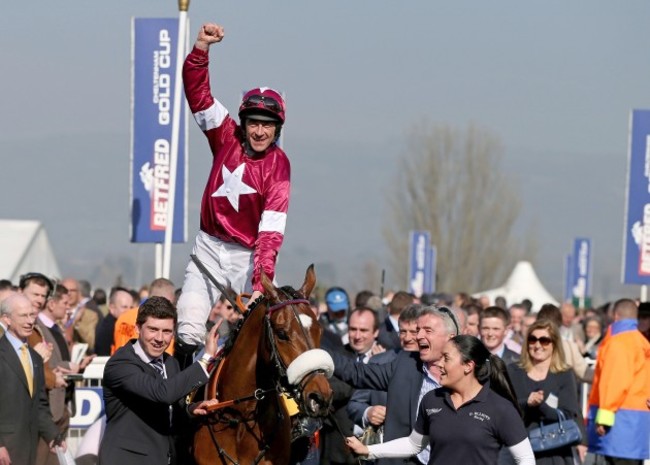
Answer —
273 352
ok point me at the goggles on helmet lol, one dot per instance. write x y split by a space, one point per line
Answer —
260 101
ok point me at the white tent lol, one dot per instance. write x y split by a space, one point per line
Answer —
523 283
24 247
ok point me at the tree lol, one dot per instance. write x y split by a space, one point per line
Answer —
451 183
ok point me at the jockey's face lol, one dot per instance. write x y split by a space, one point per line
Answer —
156 335
260 134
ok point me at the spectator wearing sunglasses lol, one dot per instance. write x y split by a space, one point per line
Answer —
543 383
572 355
245 202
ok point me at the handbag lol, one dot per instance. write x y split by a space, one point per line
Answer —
372 435
555 435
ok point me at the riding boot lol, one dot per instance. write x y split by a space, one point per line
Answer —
184 353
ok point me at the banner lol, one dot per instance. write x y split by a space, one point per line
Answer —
420 269
581 268
154 42
89 402
636 233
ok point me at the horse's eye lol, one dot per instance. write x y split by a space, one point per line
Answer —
282 334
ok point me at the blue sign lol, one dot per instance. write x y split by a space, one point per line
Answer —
581 268
636 235
154 45
89 403
420 269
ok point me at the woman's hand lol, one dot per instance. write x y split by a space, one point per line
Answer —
355 446
536 398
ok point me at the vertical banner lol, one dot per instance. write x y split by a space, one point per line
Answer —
568 278
581 269
153 65
636 233
419 281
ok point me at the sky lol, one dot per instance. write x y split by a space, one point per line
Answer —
554 81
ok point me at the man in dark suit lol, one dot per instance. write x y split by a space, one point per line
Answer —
493 327
407 378
368 406
24 410
144 389
389 329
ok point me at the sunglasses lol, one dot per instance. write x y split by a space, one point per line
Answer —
256 101
544 340
451 316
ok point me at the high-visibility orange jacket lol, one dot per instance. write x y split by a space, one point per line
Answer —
619 394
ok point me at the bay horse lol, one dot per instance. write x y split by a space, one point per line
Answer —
274 351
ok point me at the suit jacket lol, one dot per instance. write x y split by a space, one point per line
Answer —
137 400
56 396
85 327
104 335
402 379
23 418
332 445
509 356
363 398
388 337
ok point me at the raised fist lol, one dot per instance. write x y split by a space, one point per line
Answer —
209 34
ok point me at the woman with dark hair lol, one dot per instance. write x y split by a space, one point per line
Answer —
544 383
469 418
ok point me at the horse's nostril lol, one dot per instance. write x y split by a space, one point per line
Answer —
317 404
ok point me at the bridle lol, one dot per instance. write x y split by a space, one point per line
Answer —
281 367
282 384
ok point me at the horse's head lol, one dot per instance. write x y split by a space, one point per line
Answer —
294 337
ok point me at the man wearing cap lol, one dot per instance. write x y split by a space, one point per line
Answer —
338 306
246 198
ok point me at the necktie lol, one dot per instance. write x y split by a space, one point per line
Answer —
158 365
361 358
60 342
24 361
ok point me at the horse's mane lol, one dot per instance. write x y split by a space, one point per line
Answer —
288 291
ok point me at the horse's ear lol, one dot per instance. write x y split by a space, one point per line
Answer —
269 288
310 282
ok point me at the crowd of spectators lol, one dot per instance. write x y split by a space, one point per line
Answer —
388 353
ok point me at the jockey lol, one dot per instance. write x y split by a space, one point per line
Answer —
245 202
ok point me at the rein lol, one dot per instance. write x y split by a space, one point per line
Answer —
259 394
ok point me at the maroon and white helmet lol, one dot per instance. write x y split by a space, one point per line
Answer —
262 103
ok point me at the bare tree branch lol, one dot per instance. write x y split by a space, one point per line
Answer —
451 184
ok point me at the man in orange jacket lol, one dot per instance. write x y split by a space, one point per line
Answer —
619 420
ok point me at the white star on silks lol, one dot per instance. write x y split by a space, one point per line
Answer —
233 186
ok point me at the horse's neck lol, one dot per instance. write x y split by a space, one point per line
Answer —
240 373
